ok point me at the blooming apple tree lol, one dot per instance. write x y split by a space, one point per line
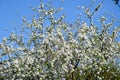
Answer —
49 48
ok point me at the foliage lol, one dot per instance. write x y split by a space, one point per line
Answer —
49 48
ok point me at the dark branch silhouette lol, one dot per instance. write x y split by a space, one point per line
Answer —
117 2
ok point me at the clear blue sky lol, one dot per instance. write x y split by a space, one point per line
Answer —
11 11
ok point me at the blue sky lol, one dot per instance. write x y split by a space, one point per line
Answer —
11 11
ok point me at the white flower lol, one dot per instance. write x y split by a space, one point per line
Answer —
103 19
65 68
82 36
4 39
83 7
16 63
